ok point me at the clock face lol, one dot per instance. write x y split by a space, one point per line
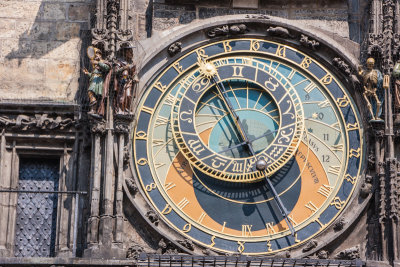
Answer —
210 120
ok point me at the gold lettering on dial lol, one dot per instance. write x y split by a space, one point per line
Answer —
290 217
306 62
350 178
160 87
254 45
269 246
327 79
196 146
324 104
212 241
218 162
201 218
296 240
187 227
183 203
354 153
352 126
237 167
308 89
338 147
334 170
223 227
161 121
167 209
141 135
169 100
169 186
237 71
325 190
311 206
246 230
150 187
270 85
281 51
178 67
227 46
241 246
337 203
270 229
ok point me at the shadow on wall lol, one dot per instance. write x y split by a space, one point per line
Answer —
50 41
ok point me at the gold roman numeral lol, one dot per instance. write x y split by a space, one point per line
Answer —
237 71
334 169
246 230
201 218
183 203
169 186
325 190
281 51
311 207
270 229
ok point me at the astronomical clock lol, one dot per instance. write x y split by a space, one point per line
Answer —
247 145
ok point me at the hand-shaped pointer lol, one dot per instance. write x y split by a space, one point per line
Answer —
260 164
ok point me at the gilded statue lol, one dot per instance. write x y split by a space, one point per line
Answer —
125 80
99 80
373 89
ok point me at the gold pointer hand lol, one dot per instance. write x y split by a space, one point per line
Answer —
261 164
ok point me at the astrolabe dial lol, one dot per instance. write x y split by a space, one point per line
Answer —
238 103
203 130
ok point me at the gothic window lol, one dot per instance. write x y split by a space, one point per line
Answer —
35 234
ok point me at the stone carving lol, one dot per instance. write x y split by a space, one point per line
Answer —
339 224
226 30
366 187
187 244
279 32
341 65
174 49
99 81
322 254
132 187
125 81
122 123
373 89
127 155
310 245
396 91
153 217
38 122
134 251
307 42
166 247
349 254
97 126
257 16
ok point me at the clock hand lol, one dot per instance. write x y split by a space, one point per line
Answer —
243 143
222 91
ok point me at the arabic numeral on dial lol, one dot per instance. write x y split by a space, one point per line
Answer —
325 158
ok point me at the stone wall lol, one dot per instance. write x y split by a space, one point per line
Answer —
40 47
330 16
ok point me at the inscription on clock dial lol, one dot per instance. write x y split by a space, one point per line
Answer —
197 173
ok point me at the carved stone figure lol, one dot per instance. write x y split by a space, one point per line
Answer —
366 187
349 254
125 80
174 48
396 92
134 251
373 90
99 80
307 42
310 245
225 30
279 32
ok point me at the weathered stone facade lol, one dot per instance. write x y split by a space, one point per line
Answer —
44 113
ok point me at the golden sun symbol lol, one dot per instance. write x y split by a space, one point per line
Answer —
207 69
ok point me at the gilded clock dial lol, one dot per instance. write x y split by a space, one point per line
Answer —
199 175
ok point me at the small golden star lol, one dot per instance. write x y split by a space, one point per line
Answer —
315 115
